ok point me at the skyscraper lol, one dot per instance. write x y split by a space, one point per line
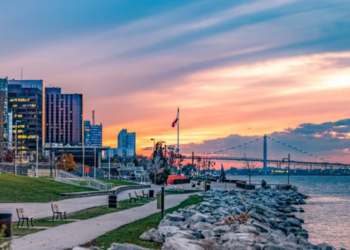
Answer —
126 143
27 104
92 134
4 132
64 117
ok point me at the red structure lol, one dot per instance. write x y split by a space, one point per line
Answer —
171 178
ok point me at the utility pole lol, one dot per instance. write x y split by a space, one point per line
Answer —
109 164
37 157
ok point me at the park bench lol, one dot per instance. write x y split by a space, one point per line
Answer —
138 196
22 217
56 211
145 195
132 198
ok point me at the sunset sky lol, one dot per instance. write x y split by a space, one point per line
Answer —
236 69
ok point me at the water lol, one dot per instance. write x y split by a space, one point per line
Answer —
327 213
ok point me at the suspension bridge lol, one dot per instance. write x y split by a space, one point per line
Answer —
244 152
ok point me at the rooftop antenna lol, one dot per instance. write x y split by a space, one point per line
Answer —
93 117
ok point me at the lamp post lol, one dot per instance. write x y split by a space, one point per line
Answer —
109 164
287 159
154 143
37 157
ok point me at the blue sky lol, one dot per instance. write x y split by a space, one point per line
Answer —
233 67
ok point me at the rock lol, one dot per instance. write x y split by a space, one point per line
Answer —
247 229
325 246
168 231
292 223
207 234
174 243
301 201
187 234
261 227
198 217
301 210
152 235
200 226
175 217
222 229
230 245
291 238
117 246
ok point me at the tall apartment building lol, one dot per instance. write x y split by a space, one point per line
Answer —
92 134
4 132
27 103
64 117
126 143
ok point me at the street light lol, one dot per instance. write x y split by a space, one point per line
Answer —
287 159
154 143
37 157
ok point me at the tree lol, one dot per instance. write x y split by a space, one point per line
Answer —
248 166
159 168
9 156
67 163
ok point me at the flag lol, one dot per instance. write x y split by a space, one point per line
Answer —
177 119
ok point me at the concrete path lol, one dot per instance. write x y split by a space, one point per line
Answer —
41 210
78 233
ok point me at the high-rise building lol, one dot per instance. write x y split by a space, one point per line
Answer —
126 143
92 134
27 104
4 132
64 117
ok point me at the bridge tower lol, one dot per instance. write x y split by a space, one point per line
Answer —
265 155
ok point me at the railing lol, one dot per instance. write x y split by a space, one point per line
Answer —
72 179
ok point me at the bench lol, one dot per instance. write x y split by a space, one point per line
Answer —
56 211
145 195
139 197
132 198
22 217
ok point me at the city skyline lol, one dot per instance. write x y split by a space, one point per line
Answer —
219 62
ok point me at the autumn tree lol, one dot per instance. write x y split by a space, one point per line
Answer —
9 156
67 163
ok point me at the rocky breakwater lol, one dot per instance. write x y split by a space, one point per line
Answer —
240 220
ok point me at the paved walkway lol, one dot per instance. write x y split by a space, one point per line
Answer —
41 210
78 233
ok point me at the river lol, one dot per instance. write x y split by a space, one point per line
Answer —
327 213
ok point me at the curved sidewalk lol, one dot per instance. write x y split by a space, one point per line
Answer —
81 232
41 210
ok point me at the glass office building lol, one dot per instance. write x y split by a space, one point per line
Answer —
27 103
4 132
64 117
126 143
92 134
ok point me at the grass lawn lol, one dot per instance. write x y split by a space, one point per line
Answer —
130 233
81 215
119 183
17 188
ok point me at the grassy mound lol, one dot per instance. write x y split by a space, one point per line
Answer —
17 188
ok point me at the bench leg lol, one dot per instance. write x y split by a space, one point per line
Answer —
28 223
61 215
65 216
22 222
31 220
19 221
53 216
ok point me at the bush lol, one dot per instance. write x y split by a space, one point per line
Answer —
294 188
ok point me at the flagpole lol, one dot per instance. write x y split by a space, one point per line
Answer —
178 134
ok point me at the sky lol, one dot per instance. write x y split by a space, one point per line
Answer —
236 69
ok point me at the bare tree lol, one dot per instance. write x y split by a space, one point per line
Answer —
155 167
248 166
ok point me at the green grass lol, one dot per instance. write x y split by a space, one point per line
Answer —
17 188
80 215
119 183
130 233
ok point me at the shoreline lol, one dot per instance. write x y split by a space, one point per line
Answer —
260 219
